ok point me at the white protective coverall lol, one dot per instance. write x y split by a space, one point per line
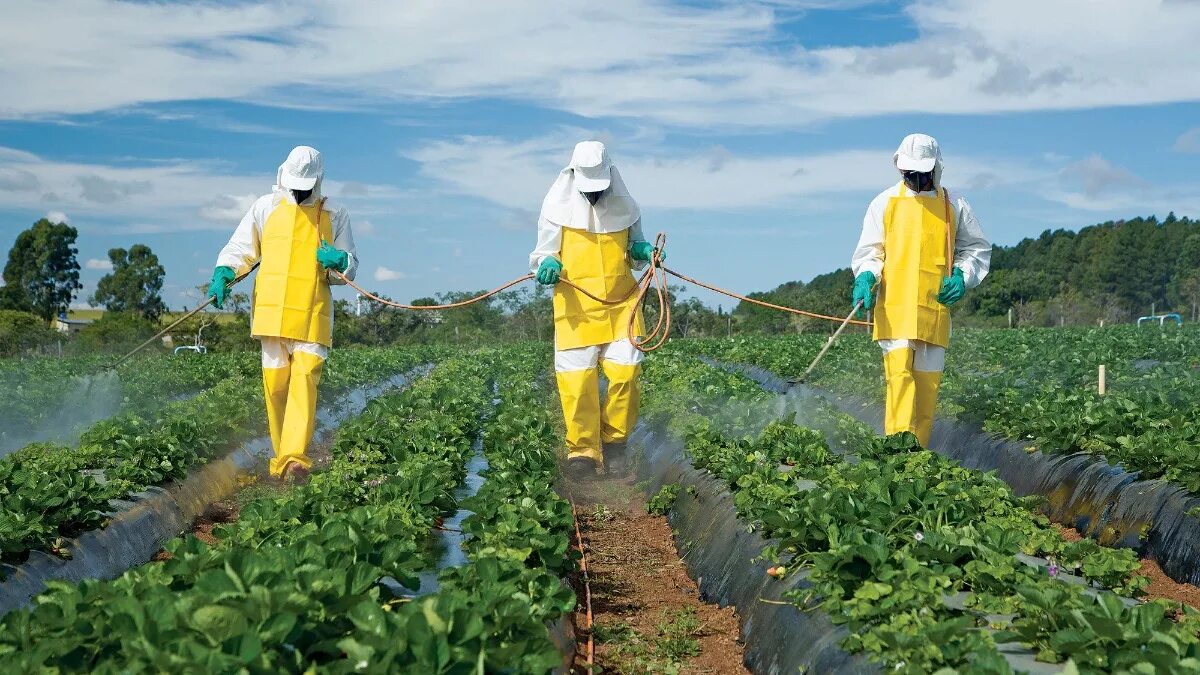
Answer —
295 334
592 241
913 363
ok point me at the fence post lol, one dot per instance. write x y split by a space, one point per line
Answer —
1102 383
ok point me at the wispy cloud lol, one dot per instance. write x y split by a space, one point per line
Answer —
682 64
385 274
1188 141
98 264
145 196
1097 185
669 178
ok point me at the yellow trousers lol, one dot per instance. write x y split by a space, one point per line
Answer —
291 394
911 395
588 424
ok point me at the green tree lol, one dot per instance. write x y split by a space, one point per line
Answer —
42 274
21 331
134 285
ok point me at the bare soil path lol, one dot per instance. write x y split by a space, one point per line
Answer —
648 614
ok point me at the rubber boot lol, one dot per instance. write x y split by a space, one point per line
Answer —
898 414
579 391
275 386
927 384
301 416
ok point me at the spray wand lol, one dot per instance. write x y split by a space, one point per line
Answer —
178 321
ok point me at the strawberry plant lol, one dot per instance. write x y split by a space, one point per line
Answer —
296 584
1038 385
50 492
914 554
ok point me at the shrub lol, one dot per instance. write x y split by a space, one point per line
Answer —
21 332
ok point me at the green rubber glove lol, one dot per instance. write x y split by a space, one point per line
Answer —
953 288
644 251
864 290
218 287
549 271
332 258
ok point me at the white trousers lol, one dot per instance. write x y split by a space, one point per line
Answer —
927 358
583 358
277 352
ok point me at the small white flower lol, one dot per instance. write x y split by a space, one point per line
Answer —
919 536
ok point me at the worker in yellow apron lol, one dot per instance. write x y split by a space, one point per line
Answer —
921 249
298 237
589 233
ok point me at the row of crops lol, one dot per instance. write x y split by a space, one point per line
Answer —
926 565
1037 385
317 576
50 492
914 555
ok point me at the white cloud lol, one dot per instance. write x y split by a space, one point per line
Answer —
1188 141
57 217
98 264
725 63
384 274
692 180
150 197
1097 176
1095 184
227 209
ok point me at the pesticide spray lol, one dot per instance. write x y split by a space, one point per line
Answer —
84 401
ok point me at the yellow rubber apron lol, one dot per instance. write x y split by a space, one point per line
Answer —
291 295
918 236
598 263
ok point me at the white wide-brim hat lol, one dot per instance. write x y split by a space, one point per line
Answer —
302 169
917 152
592 167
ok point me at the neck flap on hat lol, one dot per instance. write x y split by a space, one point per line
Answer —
565 206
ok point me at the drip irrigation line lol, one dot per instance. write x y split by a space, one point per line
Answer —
587 587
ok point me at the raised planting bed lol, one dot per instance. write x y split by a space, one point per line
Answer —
924 562
53 493
294 582
725 557
1115 507
517 534
138 527
314 578
1041 386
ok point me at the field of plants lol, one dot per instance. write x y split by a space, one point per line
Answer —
1040 385
921 565
917 557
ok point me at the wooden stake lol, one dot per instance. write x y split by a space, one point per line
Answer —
1103 388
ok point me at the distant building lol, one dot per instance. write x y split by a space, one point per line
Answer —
69 326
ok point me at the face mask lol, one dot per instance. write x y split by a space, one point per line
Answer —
301 195
918 181
592 197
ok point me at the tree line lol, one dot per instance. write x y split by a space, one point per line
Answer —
1112 272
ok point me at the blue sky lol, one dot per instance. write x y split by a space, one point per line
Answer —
753 133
